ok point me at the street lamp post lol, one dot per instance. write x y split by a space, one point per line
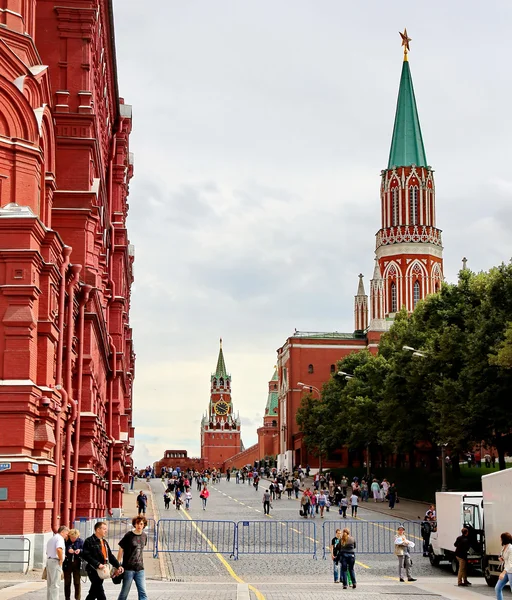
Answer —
444 487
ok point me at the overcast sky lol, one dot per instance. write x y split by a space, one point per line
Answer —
259 132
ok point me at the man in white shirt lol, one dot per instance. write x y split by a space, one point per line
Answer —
55 554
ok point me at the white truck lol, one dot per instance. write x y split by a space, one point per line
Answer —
455 510
486 514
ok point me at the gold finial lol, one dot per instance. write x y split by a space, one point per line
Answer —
221 343
405 43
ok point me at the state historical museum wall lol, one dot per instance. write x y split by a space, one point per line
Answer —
66 353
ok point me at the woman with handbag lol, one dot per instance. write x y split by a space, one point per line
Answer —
131 555
506 559
100 561
72 563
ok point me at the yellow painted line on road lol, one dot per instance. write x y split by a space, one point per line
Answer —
223 561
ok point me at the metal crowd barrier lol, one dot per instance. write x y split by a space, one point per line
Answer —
179 535
15 551
373 537
276 537
116 530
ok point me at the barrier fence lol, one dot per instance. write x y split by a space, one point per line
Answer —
276 537
15 551
254 537
373 537
117 528
178 535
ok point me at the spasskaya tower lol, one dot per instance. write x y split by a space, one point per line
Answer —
220 429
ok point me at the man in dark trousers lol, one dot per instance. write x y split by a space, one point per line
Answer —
462 545
97 555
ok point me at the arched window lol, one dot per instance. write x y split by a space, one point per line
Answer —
274 423
413 205
311 369
275 386
214 383
333 369
395 207
416 292
394 303
221 382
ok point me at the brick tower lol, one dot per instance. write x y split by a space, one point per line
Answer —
220 429
409 252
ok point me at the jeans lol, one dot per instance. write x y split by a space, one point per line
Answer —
364 496
354 510
140 582
266 507
336 570
312 510
53 575
204 502
347 564
501 584
392 499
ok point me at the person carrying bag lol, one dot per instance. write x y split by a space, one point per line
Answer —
101 563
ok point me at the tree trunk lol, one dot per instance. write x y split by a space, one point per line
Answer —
455 458
501 453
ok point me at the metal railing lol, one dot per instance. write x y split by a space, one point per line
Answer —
373 537
276 537
198 536
15 551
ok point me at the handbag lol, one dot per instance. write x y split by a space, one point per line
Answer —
301 513
83 568
105 573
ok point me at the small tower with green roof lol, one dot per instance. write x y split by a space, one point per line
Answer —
268 435
220 428
409 251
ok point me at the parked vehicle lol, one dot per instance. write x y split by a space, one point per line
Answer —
454 511
485 514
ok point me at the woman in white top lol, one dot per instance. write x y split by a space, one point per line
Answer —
506 558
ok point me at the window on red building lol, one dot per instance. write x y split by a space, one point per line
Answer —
394 302
311 369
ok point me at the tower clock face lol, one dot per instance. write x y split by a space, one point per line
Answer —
221 408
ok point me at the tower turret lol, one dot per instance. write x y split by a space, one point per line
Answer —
408 246
361 307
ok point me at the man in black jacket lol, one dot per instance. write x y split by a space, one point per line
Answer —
97 555
462 545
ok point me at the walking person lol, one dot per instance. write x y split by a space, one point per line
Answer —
98 556
167 501
289 489
204 495
343 506
71 566
462 545
354 503
506 559
336 555
322 503
266 502
55 549
188 498
392 495
131 556
304 506
402 546
375 489
142 502
348 558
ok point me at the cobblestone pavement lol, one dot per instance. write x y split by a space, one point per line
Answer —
269 576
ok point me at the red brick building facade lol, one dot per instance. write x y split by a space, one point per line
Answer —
66 354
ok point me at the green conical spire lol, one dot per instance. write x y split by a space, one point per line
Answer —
407 143
220 371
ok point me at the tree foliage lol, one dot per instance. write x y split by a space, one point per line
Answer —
456 391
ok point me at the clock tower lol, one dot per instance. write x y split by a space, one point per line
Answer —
220 428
